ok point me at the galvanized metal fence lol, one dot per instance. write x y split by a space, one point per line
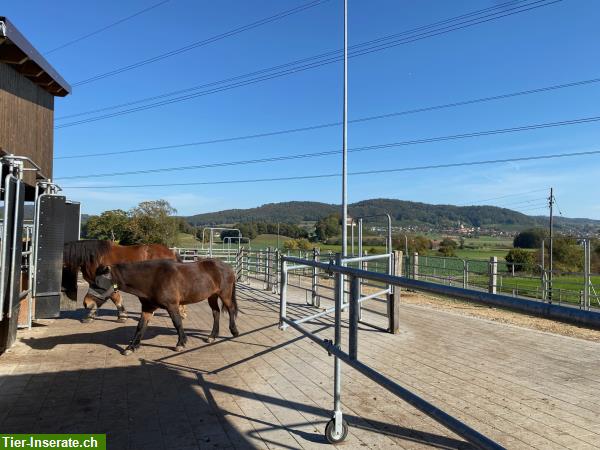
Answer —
579 289
337 429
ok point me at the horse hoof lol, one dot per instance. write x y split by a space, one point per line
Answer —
87 320
127 351
122 319
235 333
210 339
179 348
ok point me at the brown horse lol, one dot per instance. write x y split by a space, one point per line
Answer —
88 255
168 285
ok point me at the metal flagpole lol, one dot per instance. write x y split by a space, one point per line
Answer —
345 140
337 428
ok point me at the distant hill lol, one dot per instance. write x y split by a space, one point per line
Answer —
404 213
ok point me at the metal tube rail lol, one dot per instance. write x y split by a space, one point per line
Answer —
366 258
564 313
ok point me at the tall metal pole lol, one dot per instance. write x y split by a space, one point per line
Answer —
340 284
345 140
550 204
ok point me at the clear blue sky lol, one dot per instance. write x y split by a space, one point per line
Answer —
546 46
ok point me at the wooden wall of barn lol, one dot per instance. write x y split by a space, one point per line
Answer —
26 120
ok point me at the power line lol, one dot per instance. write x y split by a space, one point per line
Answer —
334 124
538 199
265 74
104 28
333 175
282 66
520 194
352 150
534 208
203 42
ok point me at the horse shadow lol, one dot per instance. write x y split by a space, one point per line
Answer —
116 338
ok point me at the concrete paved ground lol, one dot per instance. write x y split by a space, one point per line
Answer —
273 389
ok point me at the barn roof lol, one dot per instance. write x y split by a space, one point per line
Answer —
17 51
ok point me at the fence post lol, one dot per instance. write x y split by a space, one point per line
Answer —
394 296
316 300
398 261
268 270
587 254
415 267
276 271
493 271
283 295
353 317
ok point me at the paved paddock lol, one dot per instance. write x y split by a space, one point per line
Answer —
272 389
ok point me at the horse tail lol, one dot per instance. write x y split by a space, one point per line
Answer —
235 308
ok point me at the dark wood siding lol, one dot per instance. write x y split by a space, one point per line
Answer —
26 120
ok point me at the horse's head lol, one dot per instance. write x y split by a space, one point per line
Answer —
84 256
100 289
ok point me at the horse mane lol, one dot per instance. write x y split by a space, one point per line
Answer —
78 254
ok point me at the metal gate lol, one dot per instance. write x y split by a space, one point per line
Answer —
10 269
48 254
72 221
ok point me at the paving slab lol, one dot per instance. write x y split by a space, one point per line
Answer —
272 389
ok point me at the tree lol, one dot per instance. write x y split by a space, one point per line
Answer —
152 222
297 244
522 260
112 225
596 256
531 238
567 254
304 244
327 227
290 244
419 244
229 234
448 247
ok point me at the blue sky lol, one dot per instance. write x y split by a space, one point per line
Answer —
546 46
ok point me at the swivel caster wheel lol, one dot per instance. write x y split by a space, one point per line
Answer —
330 435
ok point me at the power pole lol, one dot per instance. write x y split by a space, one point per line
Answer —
550 205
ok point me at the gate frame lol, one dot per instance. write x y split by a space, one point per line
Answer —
351 358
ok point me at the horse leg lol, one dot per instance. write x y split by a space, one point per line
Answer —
183 312
118 301
92 312
176 318
213 301
92 305
147 312
228 303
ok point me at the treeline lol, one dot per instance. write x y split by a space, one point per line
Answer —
151 222
402 213
567 252
252 229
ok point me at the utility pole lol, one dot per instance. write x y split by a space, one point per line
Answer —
550 205
277 235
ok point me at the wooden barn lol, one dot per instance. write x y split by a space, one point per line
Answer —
28 85
31 240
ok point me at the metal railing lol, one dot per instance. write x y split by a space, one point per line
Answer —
340 269
519 280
